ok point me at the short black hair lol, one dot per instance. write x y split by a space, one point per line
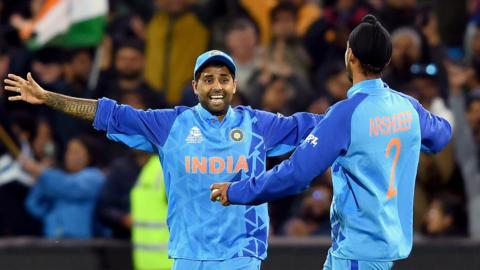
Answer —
70 54
370 43
50 56
93 147
132 43
212 64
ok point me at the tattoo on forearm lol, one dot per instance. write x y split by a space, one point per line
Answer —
77 107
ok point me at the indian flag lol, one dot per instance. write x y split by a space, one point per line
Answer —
68 24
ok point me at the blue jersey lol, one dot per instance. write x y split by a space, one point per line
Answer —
196 150
372 141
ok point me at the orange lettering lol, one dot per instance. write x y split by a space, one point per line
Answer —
196 165
187 164
394 123
373 129
213 165
229 164
409 120
388 125
241 164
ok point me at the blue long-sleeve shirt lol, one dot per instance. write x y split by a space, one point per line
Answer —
372 141
197 150
66 202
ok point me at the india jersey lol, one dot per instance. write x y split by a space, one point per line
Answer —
196 150
372 142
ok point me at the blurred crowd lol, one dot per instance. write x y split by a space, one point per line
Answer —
72 182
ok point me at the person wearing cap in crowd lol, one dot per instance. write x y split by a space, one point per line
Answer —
198 146
372 141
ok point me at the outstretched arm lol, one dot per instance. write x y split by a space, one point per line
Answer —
329 140
30 91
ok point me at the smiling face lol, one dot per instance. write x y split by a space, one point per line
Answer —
215 87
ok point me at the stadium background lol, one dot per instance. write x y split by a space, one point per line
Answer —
290 58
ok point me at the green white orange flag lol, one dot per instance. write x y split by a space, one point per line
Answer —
67 24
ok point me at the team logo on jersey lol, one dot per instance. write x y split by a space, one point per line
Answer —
236 135
194 136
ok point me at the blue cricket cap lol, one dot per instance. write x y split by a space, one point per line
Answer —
214 55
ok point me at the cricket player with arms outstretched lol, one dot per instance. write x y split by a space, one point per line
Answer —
198 146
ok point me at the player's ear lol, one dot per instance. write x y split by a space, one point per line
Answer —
351 57
194 86
348 55
235 84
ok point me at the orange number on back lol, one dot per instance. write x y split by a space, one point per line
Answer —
392 191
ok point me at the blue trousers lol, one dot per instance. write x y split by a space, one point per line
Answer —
239 263
333 263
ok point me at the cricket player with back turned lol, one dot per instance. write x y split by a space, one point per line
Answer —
372 141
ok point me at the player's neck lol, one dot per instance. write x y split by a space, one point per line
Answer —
359 77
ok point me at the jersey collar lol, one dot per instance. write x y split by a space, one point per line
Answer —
206 115
371 87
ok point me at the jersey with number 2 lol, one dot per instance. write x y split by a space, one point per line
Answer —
372 142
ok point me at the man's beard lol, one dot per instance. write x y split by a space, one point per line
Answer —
214 111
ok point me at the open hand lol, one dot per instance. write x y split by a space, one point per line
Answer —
28 90
219 193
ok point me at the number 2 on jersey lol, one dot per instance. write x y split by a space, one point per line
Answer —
392 190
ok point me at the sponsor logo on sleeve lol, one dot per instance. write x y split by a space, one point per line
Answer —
311 139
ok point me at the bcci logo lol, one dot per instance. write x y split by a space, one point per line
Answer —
236 135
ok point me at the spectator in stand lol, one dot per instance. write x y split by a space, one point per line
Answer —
14 182
65 199
241 40
170 52
77 68
466 110
127 76
285 52
445 216
406 51
435 172
331 83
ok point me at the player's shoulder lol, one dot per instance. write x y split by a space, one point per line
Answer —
346 106
411 99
